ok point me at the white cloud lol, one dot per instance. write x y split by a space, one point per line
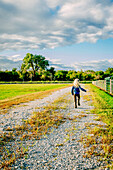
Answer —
7 63
55 61
94 65
15 61
89 65
40 24
16 57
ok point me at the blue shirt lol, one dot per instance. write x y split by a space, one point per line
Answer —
76 90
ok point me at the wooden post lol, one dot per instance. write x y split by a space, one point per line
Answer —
110 86
105 85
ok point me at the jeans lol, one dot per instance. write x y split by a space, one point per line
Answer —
77 96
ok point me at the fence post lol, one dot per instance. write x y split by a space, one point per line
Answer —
110 86
105 85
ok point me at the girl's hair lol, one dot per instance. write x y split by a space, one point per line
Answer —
76 83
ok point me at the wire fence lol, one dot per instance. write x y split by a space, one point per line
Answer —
106 85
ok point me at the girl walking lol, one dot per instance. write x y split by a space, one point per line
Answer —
76 91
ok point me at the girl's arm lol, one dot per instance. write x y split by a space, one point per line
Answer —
82 89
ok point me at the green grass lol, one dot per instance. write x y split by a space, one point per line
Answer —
103 103
41 82
100 143
9 91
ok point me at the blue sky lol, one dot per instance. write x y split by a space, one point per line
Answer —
70 34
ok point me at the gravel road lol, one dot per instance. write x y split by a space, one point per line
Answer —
60 149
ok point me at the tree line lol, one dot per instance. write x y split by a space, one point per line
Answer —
36 68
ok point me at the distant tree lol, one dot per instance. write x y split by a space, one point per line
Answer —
80 75
23 72
34 63
61 75
14 69
45 75
71 75
90 72
24 75
38 76
15 75
99 75
51 72
8 76
31 75
109 72
3 76
89 75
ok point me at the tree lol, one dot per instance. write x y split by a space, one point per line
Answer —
109 72
80 75
71 75
15 75
52 72
99 75
34 63
45 75
24 75
61 75
89 75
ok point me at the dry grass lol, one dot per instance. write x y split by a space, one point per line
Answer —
102 139
80 116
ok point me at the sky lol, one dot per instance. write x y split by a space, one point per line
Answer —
71 34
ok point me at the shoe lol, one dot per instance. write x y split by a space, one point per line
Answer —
75 106
78 104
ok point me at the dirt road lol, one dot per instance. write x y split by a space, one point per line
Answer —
61 147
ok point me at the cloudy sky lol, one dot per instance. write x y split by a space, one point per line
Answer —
71 34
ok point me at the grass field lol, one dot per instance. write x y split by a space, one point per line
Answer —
12 90
14 94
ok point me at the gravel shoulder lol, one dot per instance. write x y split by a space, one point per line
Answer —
60 148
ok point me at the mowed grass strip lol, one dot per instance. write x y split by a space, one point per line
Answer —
103 103
100 138
19 93
12 90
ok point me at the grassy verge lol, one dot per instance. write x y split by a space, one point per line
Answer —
14 145
35 82
103 103
99 142
24 93
42 82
